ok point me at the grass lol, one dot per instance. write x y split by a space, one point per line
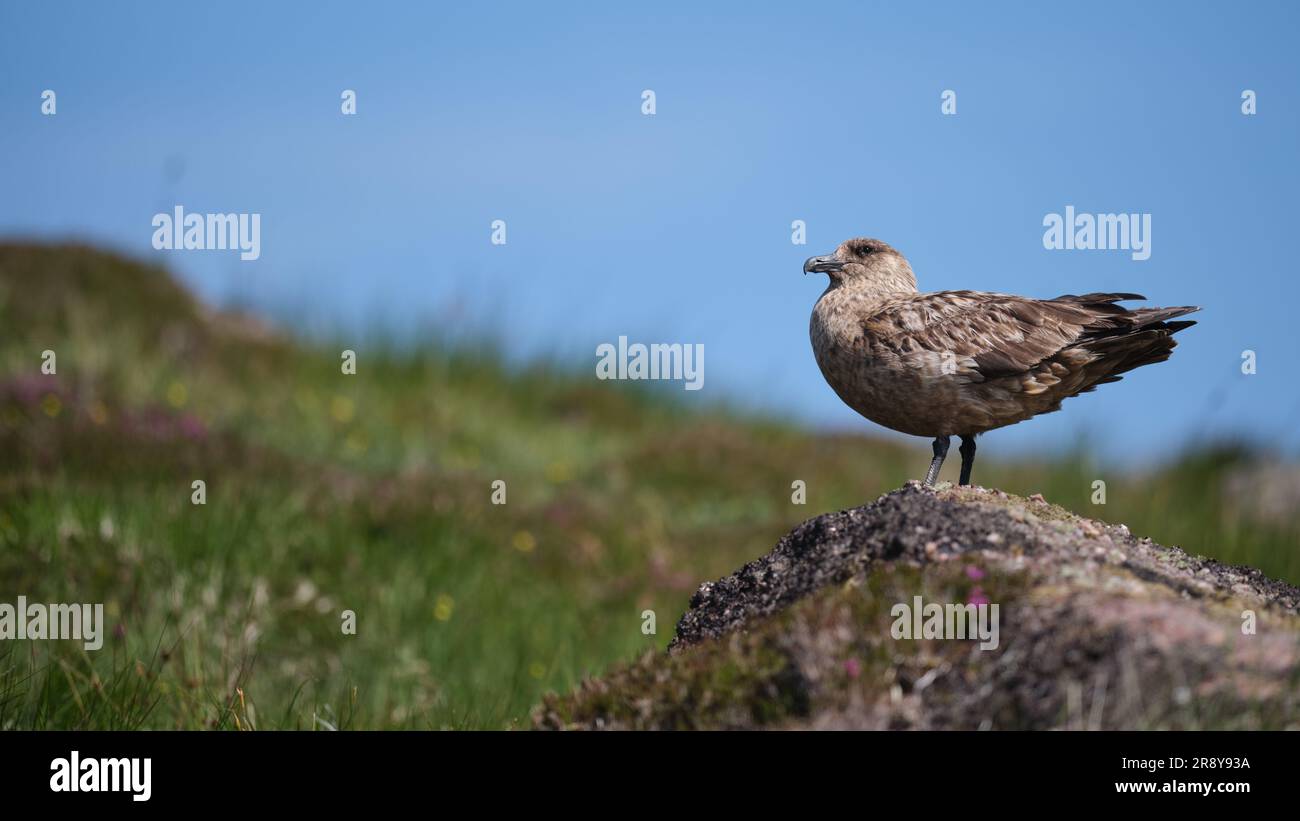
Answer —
372 493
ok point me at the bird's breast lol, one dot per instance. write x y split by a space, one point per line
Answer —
903 392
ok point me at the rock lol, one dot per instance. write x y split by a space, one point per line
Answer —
1094 629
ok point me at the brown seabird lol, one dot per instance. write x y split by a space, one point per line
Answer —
959 363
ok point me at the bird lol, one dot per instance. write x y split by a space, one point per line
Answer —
962 363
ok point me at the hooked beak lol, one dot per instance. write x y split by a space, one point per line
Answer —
822 265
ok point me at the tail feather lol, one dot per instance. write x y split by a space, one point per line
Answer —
1143 317
1121 339
1097 298
1130 348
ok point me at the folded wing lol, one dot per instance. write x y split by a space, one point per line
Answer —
1070 343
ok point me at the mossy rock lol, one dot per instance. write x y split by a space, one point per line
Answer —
1096 629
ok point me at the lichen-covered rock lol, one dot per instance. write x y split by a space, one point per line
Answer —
1094 629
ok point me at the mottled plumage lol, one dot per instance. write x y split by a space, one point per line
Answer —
958 363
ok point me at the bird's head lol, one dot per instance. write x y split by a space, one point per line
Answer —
864 262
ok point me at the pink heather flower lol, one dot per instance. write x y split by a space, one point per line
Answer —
160 425
977 596
853 668
973 572
192 427
29 389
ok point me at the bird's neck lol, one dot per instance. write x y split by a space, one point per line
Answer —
887 277
860 298
881 286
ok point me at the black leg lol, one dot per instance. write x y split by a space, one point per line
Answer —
940 451
967 451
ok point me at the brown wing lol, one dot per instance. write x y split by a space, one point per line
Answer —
1006 335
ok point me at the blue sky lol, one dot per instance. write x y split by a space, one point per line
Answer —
676 227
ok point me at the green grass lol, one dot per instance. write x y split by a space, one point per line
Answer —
372 493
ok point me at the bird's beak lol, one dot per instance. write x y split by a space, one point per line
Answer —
821 265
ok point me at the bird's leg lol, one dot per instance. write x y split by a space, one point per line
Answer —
940 451
967 451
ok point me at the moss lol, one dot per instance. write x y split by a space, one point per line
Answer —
819 656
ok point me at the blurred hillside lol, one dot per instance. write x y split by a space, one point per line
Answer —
373 493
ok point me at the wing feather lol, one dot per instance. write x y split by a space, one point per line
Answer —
1005 335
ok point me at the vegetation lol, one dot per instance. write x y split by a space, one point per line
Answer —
372 493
